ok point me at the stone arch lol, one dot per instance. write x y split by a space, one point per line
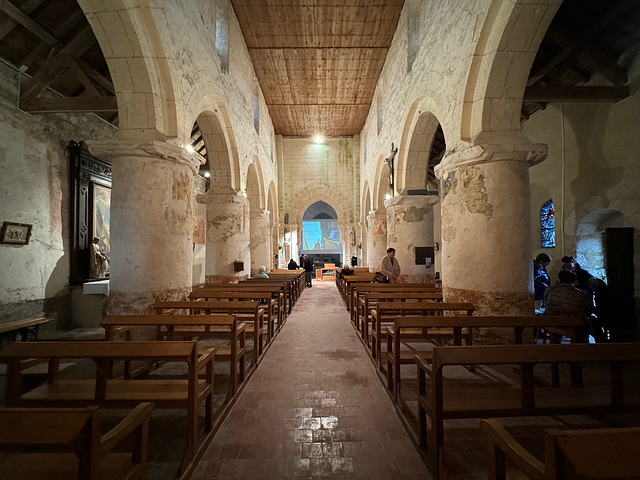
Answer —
130 41
509 40
416 148
381 184
365 203
222 149
310 196
254 185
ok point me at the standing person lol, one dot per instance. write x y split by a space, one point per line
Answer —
389 266
307 264
541 278
292 265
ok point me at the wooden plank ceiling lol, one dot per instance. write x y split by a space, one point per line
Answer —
318 61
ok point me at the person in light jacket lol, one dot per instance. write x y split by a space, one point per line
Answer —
389 266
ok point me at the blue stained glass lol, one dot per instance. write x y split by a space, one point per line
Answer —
548 225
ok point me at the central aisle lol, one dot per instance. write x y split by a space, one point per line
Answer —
314 408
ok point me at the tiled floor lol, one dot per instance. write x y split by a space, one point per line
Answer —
315 408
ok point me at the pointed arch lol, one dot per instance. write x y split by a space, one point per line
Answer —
381 184
255 192
272 202
365 203
310 196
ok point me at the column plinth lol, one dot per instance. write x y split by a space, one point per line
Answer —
410 225
227 236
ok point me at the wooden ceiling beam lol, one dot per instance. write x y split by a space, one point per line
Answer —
56 66
69 104
7 25
26 21
83 77
592 53
576 94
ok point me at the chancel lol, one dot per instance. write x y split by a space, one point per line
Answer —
155 155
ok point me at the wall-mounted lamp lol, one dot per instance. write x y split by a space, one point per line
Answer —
318 139
207 174
190 149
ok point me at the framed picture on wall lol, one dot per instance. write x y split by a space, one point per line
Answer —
15 233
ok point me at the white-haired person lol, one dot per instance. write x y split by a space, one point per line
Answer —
261 272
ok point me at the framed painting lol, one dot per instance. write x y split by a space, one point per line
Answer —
15 233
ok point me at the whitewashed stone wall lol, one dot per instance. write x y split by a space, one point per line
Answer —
34 189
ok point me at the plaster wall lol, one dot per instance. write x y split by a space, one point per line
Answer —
34 189
327 172
592 169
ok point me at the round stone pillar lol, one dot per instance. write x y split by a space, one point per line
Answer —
486 227
227 236
151 224
376 239
410 225
260 237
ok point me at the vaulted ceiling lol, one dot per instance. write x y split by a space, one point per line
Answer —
318 61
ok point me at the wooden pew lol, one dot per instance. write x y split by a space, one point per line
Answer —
270 296
358 289
396 357
71 444
296 275
26 327
248 312
289 288
168 326
368 301
347 283
108 392
602 453
385 312
440 400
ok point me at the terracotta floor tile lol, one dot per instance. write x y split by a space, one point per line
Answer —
315 408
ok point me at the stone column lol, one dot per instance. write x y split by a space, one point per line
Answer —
344 240
227 235
376 239
260 238
151 224
361 240
410 225
486 227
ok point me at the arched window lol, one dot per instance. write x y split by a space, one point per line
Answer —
548 225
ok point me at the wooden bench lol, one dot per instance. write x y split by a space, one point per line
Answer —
288 288
55 443
249 313
345 281
108 392
357 289
385 312
170 326
440 400
603 453
368 301
396 357
269 296
26 328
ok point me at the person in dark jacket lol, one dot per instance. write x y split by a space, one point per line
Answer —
582 283
307 264
541 278
292 265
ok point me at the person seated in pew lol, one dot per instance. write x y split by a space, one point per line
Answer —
292 265
614 312
564 299
261 272
541 278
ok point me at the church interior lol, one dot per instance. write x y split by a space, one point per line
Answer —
155 155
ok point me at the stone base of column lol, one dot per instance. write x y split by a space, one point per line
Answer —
124 303
417 278
497 304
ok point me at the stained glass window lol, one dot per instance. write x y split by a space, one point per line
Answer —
548 225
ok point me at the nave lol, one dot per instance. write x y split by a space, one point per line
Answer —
315 408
